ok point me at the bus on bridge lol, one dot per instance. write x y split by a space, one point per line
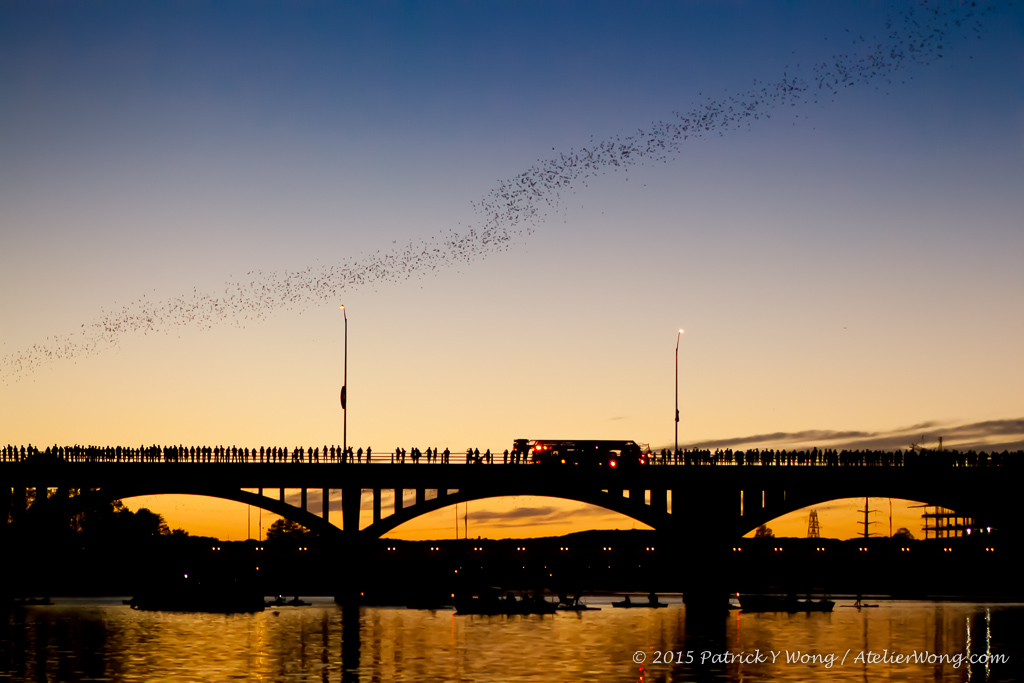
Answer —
587 452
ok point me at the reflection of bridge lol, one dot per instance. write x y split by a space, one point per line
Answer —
710 505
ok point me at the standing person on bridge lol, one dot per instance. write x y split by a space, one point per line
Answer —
445 455
369 450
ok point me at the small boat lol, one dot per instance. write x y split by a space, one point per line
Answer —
778 603
652 601
32 601
492 604
573 604
823 605
860 605
279 601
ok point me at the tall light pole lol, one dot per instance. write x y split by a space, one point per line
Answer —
675 453
344 392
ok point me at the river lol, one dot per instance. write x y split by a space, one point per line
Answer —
104 640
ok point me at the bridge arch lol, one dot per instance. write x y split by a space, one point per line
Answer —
804 503
78 503
609 501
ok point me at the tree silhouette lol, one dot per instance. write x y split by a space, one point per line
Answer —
149 523
286 529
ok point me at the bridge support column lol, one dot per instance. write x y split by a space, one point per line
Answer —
305 501
376 505
353 556
6 499
19 503
281 498
702 533
636 497
399 499
351 501
325 505
659 500
421 496
774 499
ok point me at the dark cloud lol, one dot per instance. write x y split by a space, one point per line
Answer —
811 435
988 435
536 516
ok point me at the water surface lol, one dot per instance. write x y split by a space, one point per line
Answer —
103 640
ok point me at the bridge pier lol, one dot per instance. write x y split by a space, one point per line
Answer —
6 499
41 495
19 503
701 531
305 501
376 505
351 501
325 505
659 500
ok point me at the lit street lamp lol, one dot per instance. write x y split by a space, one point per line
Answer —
676 451
344 391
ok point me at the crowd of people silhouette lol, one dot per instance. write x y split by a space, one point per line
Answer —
827 457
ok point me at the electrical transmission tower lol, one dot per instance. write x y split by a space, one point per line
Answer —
813 528
867 523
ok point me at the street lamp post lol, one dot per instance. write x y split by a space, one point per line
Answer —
675 453
344 391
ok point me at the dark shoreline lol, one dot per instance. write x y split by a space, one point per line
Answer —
978 568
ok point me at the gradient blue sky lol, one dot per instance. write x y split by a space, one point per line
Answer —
853 264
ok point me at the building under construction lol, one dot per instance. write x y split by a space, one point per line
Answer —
942 523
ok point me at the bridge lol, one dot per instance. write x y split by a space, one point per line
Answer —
709 504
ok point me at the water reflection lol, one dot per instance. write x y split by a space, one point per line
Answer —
83 640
